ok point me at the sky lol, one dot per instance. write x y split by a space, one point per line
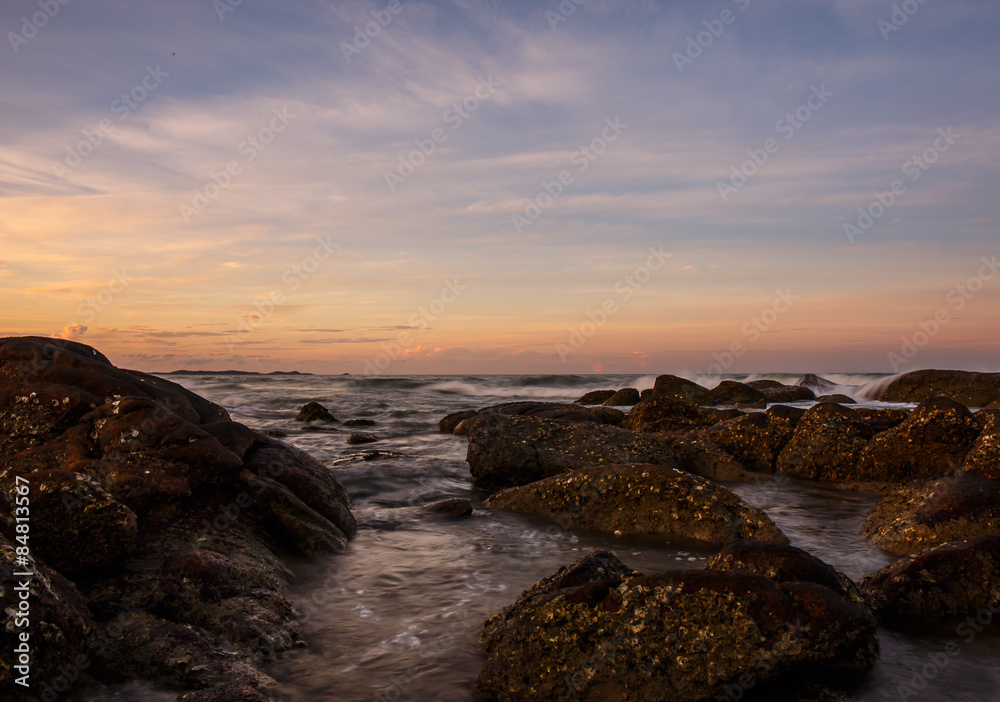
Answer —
465 186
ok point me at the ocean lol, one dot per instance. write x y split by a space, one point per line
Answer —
398 614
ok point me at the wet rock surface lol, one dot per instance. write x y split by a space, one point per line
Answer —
595 397
166 518
675 388
949 582
597 630
755 439
826 444
931 512
967 388
667 414
779 392
626 397
641 499
314 412
507 451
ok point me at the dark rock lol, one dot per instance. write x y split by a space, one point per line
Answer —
931 512
700 456
969 389
641 499
755 405
314 412
360 423
778 392
729 392
450 422
838 399
362 438
453 507
755 440
168 515
826 444
784 563
596 631
948 582
319 429
544 410
367 455
682 390
595 397
666 414
816 383
57 621
276 433
626 397
226 692
983 458
882 419
931 442
506 451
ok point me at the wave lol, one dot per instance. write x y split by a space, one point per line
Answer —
458 387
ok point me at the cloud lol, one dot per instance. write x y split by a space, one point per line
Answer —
72 332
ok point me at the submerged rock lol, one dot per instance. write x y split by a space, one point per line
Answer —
314 412
931 512
362 438
360 423
596 630
641 499
452 507
507 451
949 582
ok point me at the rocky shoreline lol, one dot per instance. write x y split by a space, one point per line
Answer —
161 531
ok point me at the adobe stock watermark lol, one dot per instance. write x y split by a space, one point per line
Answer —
30 26
751 330
562 12
700 42
915 167
420 321
95 304
581 158
454 117
249 149
123 106
363 34
223 7
901 14
956 298
292 278
624 289
787 126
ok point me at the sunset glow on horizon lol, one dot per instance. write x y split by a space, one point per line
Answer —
482 187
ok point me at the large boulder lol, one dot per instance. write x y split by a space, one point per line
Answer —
641 499
675 388
168 516
949 582
755 439
983 459
779 392
668 414
700 456
927 513
729 392
931 442
463 422
596 630
507 451
626 397
594 397
826 444
314 412
970 389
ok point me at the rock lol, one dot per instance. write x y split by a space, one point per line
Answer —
931 442
448 424
640 499
360 423
507 451
545 410
362 438
666 414
626 397
931 512
166 514
314 412
983 459
226 692
729 392
596 631
756 404
701 457
969 389
595 397
882 419
755 440
838 399
826 445
682 390
57 621
366 455
784 563
276 433
778 392
816 383
948 582
453 507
